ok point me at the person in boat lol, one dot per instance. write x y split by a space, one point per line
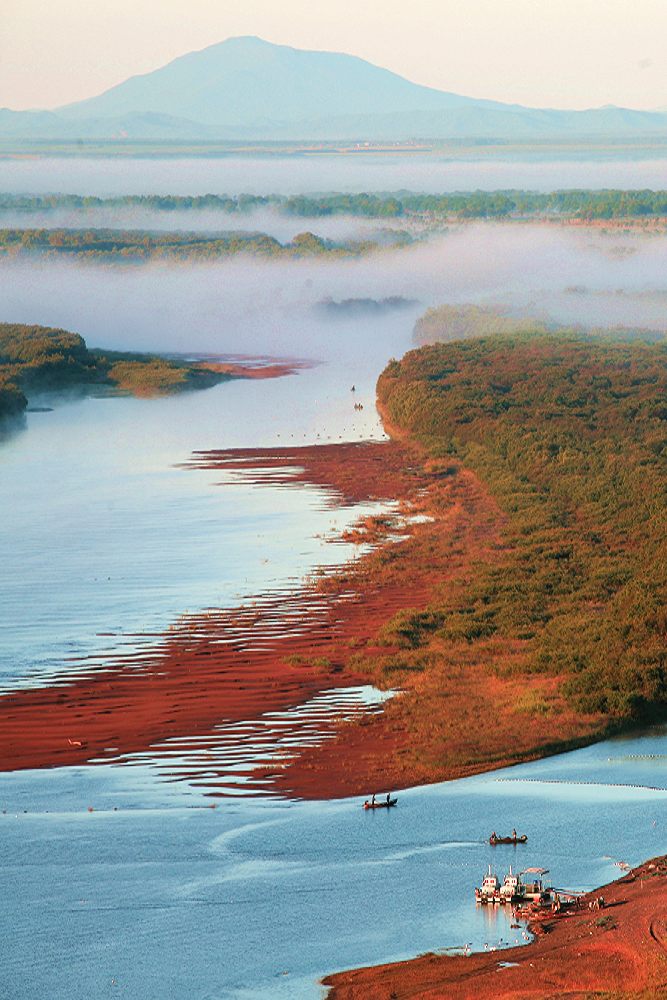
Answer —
494 835
513 834
388 797
373 799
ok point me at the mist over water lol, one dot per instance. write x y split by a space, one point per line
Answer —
282 227
249 305
310 174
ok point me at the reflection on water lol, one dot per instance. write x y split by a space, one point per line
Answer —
106 540
224 762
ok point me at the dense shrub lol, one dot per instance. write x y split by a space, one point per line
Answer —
568 433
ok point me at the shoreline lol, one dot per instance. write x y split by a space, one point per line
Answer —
224 665
70 368
255 368
340 629
619 951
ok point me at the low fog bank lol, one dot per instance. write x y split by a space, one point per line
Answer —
244 305
282 227
350 172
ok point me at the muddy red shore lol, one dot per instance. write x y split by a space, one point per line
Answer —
255 368
619 953
339 630
225 665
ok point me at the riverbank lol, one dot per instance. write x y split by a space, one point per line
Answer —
223 665
619 951
430 610
254 368
352 626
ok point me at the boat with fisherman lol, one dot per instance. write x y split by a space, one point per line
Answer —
385 803
515 888
514 838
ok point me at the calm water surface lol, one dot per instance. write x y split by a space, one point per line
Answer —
155 895
104 536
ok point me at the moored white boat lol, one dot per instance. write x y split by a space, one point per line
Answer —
514 889
489 892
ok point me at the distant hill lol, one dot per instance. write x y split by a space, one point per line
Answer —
246 88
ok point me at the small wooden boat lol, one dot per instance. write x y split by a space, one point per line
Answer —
382 804
494 839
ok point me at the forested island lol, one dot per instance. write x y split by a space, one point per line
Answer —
38 359
136 245
572 203
355 308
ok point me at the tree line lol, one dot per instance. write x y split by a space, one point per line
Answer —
571 203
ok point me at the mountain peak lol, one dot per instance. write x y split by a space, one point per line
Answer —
250 41
247 81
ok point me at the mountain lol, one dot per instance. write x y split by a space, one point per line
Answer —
246 88
250 82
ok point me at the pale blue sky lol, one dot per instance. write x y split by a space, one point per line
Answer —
558 53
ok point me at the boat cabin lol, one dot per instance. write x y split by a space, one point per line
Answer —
533 889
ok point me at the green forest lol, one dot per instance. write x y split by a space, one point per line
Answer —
574 203
569 434
38 359
447 322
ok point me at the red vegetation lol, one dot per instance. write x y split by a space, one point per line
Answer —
253 369
221 666
354 473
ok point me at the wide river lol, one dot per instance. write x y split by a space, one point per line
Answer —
106 538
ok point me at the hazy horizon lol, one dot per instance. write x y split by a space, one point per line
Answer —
176 175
